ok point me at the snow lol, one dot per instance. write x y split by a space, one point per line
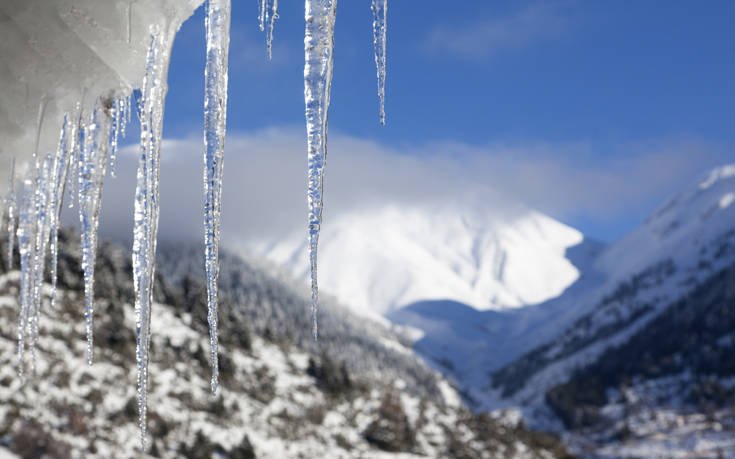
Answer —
378 260
659 424
726 200
277 427
678 246
677 229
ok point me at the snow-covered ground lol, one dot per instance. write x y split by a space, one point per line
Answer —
278 399
652 419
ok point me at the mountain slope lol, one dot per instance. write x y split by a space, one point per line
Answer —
671 380
279 398
512 357
680 246
649 348
479 252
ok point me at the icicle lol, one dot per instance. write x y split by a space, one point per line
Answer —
262 14
92 164
75 135
318 48
145 230
41 233
61 168
267 16
115 134
128 111
120 113
271 26
380 13
215 115
10 214
25 233
39 124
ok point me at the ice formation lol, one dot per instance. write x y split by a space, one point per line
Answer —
60 172
10 206
25 248
85 148
320 17
93 159
267 16
215 116
145 230
380 13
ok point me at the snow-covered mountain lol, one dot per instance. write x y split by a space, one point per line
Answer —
359 392
647 344
661 287
475 251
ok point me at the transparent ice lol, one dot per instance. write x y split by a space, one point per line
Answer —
145 226
320 17
93 158
380 13
217 23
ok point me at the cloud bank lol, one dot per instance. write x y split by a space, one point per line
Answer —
265 179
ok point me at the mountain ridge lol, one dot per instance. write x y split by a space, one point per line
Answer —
386 257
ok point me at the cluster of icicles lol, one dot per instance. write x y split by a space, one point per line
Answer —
86 152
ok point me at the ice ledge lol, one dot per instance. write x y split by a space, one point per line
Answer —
56 53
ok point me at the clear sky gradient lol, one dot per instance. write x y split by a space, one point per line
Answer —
604 87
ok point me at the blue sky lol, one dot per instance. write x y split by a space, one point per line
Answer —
613 93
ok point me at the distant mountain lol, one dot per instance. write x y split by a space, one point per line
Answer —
488 254
645 365
683 244
358 392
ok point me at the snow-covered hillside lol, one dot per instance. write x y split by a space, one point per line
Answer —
472 250
511 357
680 246
360 393
657 310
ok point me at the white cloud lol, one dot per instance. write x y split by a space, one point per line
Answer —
265 179
536 22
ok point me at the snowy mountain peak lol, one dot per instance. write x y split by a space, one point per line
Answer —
718 174
698 214
473 251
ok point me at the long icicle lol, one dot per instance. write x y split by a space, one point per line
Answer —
262 14
75 144
320 17
92 165
12 205
271 26
42 105
25 233
41 233
61 169
217 23
119 120
145 229
267 16
380 14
